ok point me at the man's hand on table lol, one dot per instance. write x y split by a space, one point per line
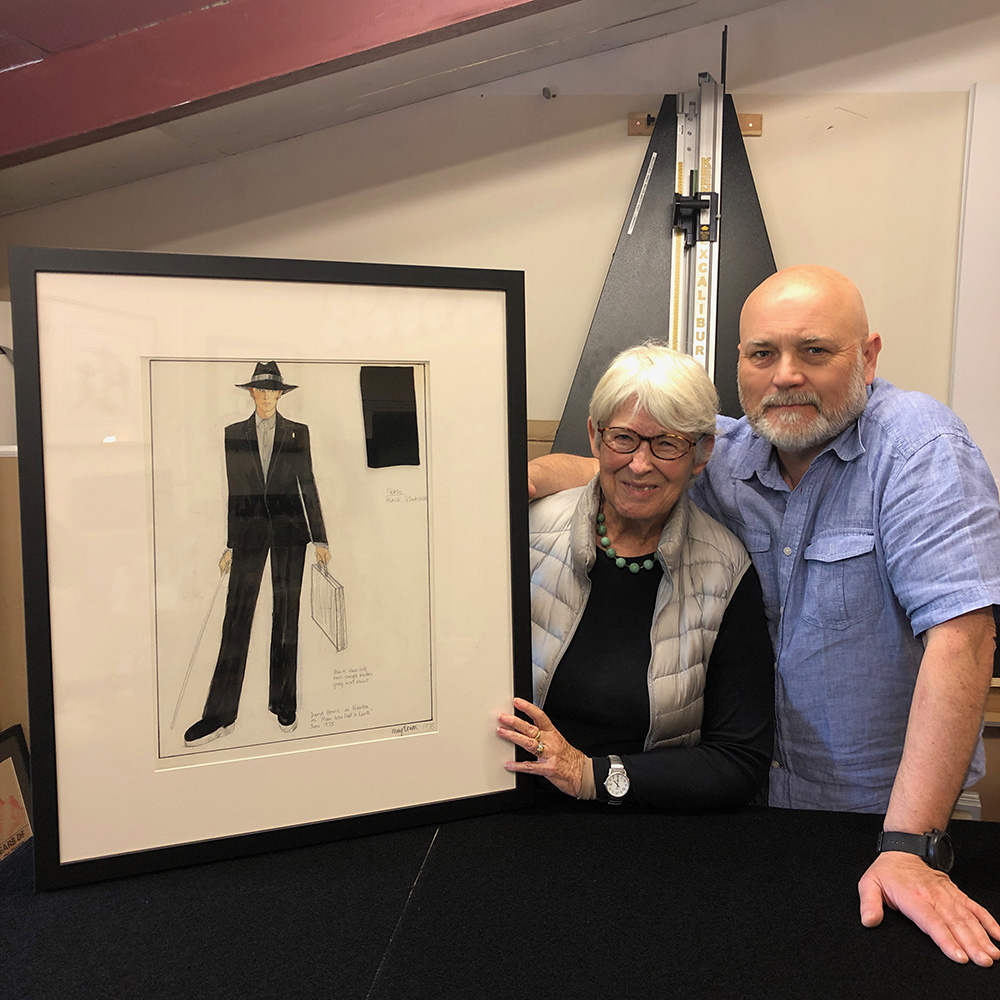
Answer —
959 926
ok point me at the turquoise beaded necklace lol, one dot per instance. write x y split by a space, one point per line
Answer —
620 561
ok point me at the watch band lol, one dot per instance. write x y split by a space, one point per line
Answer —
934 847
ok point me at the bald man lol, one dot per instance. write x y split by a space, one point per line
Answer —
874 525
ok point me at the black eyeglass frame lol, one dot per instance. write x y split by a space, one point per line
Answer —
649 440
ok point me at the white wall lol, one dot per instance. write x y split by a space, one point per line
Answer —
860 167
977 347
865 184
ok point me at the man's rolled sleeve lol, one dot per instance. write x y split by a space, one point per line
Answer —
941 532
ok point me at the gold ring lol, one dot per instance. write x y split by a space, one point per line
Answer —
539 749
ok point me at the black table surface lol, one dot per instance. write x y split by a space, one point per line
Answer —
558 900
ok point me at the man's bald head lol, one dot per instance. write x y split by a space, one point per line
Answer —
813 287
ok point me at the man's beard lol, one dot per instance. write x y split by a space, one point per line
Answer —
794 432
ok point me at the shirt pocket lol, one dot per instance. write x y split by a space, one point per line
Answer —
841 579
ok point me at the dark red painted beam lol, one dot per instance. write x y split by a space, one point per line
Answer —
214 56
15 51
55 25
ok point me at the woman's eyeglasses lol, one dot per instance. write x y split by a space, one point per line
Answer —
666 447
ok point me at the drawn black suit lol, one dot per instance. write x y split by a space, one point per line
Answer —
273 512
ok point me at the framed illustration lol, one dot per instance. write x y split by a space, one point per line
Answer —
15 791
274 533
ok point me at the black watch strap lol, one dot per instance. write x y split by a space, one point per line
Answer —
934 847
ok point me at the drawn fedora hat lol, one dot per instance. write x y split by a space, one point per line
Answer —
267 376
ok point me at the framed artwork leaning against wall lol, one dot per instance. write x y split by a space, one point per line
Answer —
15 791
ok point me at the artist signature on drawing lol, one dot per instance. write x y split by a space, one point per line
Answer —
419 727
400 496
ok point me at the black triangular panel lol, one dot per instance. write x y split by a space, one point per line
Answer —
635 302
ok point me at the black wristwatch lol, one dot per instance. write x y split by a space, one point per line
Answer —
934 847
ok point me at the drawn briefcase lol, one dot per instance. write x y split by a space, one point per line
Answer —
328 608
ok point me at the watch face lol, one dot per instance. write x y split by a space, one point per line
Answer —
617 784
940 852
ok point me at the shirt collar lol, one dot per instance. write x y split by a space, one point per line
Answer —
265 421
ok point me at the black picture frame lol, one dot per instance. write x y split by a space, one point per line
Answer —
115 793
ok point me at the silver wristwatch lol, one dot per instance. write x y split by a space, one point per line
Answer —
617 781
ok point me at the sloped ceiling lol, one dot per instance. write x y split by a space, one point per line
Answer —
103 92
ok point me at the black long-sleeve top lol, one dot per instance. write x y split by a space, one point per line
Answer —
599 698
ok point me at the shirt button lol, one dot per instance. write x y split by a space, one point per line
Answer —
787 551
774 763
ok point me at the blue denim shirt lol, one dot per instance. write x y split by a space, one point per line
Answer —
894 528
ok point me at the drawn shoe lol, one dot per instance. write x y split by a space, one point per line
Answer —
206 730
287 722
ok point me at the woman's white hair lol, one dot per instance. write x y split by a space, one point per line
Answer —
670 386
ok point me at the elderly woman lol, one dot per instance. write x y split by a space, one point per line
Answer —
653 674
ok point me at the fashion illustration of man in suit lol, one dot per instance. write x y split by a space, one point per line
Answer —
274 511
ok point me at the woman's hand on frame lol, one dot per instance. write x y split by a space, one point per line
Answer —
555 759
